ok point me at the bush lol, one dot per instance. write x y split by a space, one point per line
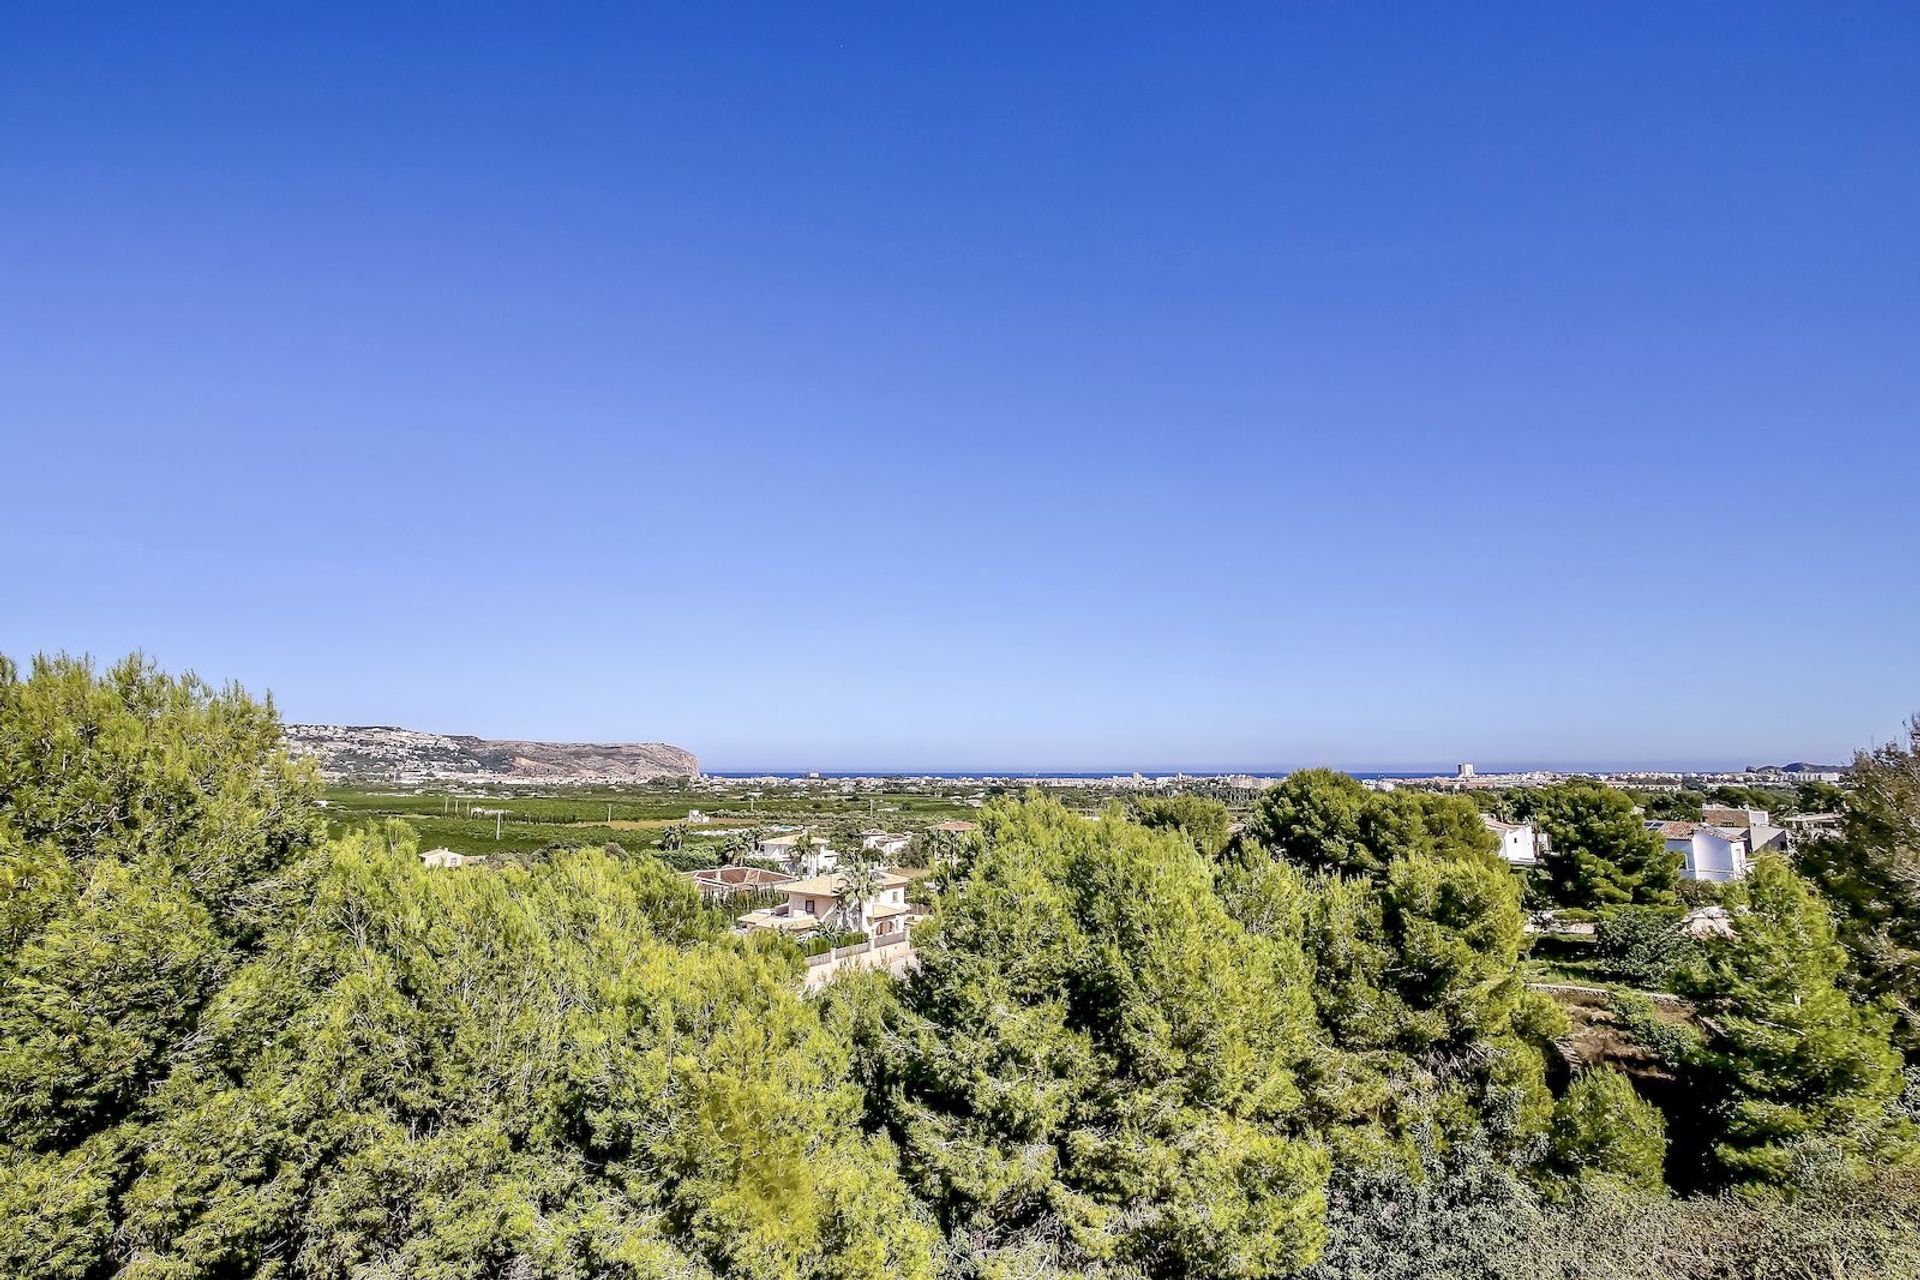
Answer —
1462 1214
821 943
1674 1044
1603 1126
1701 893
1645 946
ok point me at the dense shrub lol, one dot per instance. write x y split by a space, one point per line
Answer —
1644 946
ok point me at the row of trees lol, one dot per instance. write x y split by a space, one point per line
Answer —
231 1047
1600 852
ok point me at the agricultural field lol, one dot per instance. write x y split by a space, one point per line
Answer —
463 819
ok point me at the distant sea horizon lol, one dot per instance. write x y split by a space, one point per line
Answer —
1097 775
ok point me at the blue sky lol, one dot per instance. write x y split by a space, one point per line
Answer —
1025 386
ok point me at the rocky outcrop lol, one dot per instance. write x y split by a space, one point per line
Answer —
382 753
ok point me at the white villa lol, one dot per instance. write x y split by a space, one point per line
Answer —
1520 843
815 858
1711 853
448 858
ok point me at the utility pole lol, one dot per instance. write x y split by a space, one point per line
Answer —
609 815
498 817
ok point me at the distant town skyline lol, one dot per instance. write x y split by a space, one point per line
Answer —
1004 386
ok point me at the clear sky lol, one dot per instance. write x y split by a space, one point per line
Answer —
1023 386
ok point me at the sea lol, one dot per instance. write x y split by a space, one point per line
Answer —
1095 775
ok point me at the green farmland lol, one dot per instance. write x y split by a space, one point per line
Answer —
634 817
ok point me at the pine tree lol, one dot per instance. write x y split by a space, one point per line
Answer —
1871 872
1095 1065
1600 852
1806 1074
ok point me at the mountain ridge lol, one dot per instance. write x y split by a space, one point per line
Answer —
390 753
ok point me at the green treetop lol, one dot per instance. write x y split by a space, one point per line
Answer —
1095 1064
1871 872
1202 820
1320 819
1602 1126
1601 852
1806 1073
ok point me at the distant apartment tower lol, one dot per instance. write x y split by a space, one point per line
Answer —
1466 771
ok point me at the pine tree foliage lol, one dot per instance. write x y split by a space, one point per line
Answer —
1601 1126
1871 872
1097 1063
1808 1074
230 1048
1320 819
1600 852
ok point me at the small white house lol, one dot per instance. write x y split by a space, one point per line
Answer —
1761 835
448 858
888 843
1520 843
1712 853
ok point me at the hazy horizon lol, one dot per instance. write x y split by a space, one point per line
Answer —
1157 764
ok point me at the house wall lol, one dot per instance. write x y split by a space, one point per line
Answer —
1519 846
1710 857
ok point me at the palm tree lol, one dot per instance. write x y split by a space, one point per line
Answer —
803 859
859 882
673 837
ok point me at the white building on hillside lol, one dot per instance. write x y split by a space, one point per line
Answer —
1761 835
1710 853
1520 843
